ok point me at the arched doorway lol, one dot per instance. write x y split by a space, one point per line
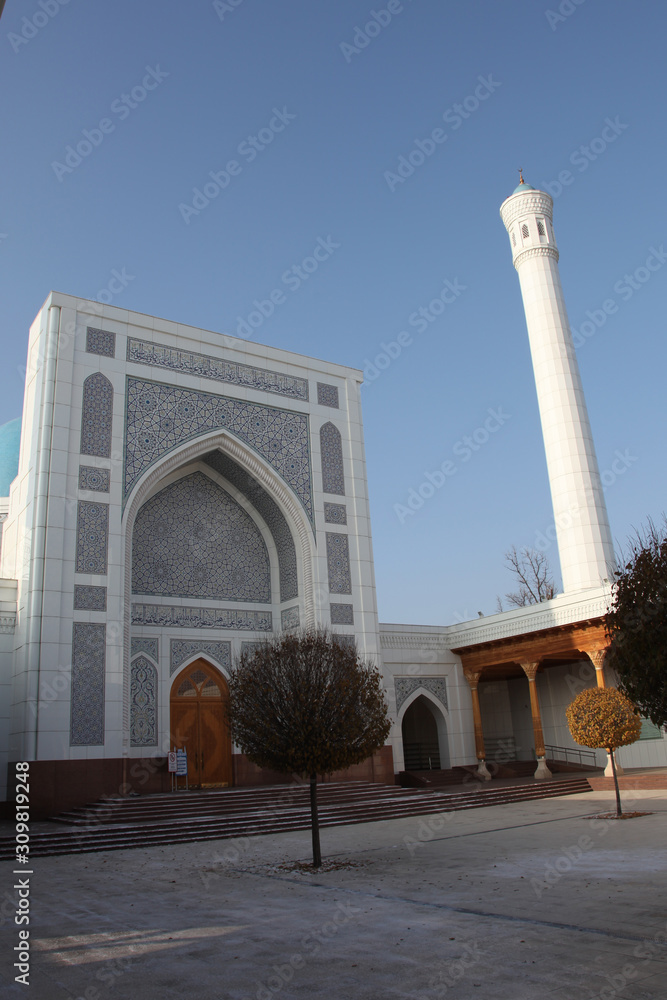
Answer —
424 731
199 724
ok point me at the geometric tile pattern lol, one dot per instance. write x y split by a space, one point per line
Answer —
327 395
335 513
96 416
406 685
88 668
141 644
203 366
160 417
183 649
90 598
96 480
249 648
338 563
100 342
164 616
346 641
193 540
143 703
92 530
333 480
270 513
341 614
289 618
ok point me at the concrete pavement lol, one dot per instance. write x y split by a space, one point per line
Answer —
524 901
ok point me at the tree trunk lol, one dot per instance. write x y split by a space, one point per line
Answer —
314 822
618 793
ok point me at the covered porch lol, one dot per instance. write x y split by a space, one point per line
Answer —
516 680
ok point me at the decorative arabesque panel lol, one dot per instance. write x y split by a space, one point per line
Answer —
333 479
182 649
88 669
97 416
338 563
193 540
143 703
92 533
218 369
271 514
161 417
405 686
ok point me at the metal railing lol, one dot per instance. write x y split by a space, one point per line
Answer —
421 756
573 754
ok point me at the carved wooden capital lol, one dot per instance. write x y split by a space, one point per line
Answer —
530 669
597 657
472 676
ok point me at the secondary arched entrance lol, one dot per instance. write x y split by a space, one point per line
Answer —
424 731
199 724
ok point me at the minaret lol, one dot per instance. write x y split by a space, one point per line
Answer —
582 526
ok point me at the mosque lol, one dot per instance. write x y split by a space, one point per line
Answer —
173 496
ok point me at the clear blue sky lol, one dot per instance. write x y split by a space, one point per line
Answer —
218 72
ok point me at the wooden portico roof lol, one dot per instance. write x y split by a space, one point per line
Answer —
500 659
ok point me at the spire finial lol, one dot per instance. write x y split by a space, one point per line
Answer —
521 180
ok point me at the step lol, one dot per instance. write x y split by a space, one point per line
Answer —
379 803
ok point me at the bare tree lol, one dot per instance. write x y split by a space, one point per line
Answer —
533 574
305 703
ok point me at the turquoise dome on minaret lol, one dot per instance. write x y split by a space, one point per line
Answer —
10 443
522 186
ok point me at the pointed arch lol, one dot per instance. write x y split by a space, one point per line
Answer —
425 737
198 722
274 485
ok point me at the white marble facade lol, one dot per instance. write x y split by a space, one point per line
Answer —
181 494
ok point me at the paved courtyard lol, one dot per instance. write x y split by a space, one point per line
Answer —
515 902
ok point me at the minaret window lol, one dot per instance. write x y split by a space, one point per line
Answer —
513 238
540 228
524 231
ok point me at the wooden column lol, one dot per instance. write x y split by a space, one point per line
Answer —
597 657
530 670
472 677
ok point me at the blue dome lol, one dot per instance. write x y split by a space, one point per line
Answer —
10 442
522 187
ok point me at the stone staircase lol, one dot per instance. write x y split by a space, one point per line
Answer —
185 817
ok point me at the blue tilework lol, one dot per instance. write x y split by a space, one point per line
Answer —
327 395
333 479
92 532
143 703
160 417
404 687
193 540
164 616
88 669
289 618
183 649
270 513
97 416
100 342
143 644
335 513
95 480
338 563
204 366
341 614
90 598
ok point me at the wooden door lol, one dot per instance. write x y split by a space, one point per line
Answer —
199 724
